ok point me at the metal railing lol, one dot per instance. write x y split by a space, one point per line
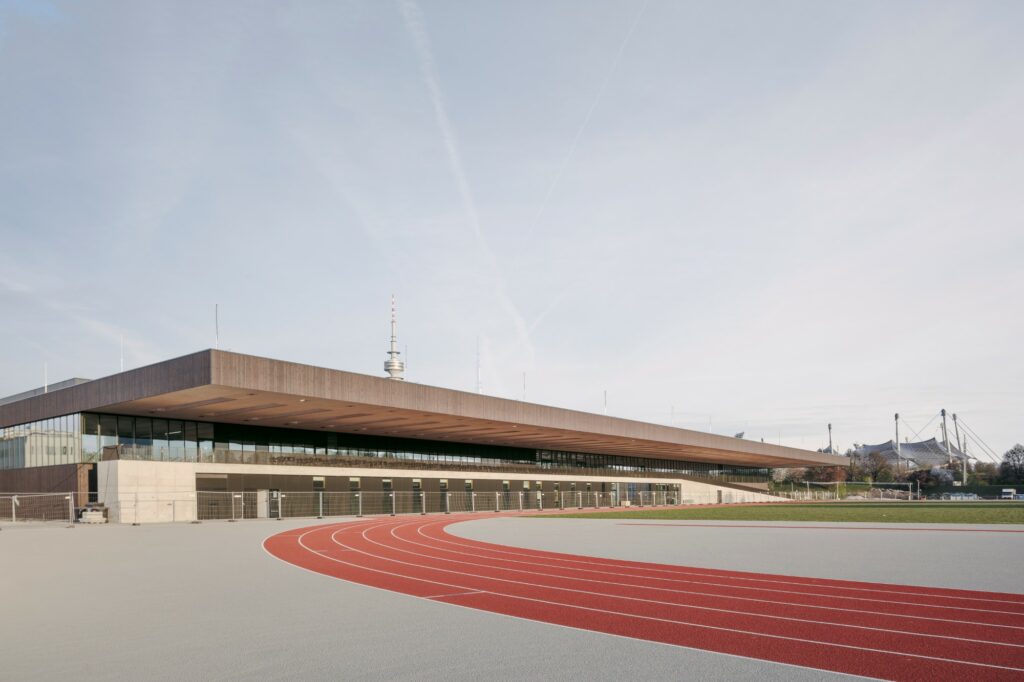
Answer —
227 456
238 506
188 506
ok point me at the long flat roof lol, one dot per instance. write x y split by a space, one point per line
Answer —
225 387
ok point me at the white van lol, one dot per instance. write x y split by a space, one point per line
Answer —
1008 494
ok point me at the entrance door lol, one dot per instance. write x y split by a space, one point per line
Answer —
274 508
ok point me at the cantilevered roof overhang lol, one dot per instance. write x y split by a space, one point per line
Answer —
224 387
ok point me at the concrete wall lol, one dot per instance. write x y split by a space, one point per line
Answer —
147 492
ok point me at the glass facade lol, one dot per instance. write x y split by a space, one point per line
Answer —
82 438
42 443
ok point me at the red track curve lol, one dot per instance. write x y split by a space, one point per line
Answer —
897 632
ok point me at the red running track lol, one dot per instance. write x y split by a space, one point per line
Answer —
897 632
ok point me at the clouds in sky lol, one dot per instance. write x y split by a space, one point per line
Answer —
762 216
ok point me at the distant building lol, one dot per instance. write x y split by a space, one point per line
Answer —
921 455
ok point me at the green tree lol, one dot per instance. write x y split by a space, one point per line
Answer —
983 473
1011 470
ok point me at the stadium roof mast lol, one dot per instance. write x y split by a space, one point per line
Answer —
394 365
956 428
945 436
898 459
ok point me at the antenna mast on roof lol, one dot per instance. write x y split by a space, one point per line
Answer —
394 365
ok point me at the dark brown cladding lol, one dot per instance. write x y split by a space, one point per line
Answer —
188 371
229 387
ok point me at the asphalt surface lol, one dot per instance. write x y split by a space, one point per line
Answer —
191 602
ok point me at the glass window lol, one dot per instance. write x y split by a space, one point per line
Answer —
144 432
126 431
176 440
191 441
205 434
160 440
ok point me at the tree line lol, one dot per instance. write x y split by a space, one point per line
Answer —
877 469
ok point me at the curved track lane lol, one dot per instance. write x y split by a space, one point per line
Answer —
897 632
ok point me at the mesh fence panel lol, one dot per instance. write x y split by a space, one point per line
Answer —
33 507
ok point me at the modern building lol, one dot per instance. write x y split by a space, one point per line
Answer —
232 423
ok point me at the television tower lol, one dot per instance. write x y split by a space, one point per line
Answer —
393 365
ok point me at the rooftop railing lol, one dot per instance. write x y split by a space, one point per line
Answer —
227 456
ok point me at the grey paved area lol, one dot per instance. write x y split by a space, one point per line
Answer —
205 602
964 560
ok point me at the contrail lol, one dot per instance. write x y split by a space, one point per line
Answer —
414 22
590 112
413 18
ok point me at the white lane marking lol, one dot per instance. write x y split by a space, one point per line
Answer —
649 618
742 587
664 603
545 623
454 594
711 573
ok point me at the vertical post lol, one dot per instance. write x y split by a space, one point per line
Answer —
423 501
280 506
447 503
392 503
579 499
945 437
956 428
497 503
472 502
71 509
359 500
540 501
320 495
520 500
831 451
898 457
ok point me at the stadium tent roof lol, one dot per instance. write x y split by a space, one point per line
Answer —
926 453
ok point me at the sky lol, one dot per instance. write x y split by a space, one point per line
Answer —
725 216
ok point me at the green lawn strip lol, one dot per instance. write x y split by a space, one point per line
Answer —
896 512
